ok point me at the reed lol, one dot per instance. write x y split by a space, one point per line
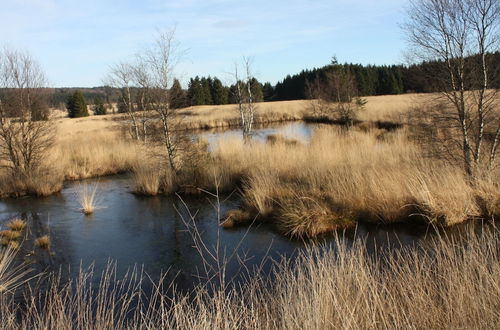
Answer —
447 283
87 197
16 224
43 242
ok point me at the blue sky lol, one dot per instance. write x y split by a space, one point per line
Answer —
77 41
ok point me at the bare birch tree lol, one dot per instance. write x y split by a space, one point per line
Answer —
160 61
24 140
461 34
122 76
245 97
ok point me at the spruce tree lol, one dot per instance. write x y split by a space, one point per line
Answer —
256 87
195 92
99 108
177 94
220 94
76 105
206 91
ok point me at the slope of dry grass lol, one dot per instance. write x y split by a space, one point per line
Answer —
447 285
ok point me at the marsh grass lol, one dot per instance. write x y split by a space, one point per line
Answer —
43 242
12 275
10 235
446 283
16 224
87 195
344 177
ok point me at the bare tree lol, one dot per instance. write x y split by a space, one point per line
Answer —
24 140
159 62
245 97
143 98
122 76
460 34
335 95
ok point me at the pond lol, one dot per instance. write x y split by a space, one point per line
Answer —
152 232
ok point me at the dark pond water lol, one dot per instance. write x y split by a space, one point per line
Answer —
151 232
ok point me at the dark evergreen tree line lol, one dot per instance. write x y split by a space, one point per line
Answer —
377 79
211 91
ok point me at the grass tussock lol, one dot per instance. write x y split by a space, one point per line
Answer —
10 235
16 224
87 198
341 177
43 242
447 284
234 218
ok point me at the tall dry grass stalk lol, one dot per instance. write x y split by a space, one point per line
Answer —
87 197
12 275
446 284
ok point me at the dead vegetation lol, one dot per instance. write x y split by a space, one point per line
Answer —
446 284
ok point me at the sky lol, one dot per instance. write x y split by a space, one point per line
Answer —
76 41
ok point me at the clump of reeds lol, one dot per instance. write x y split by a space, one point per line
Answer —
16 224
12 276
235 218
10 235
43 242
301 216
353 176
147 180
87 197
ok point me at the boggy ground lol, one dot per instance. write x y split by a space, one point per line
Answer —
304 188
340 178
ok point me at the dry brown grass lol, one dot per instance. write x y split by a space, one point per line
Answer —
449 284
16 224
43 242
10 235
340 177
94 146
368 174
87 196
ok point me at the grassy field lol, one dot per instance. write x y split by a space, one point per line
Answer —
448 284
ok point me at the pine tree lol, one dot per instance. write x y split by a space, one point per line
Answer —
206 90
76 105
220 94
195 92
256 87
178 95
268 91
99 108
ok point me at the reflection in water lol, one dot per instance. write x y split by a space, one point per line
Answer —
297 130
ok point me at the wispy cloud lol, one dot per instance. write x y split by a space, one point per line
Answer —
77 40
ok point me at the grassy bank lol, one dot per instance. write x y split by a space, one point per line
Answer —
340 178
447 284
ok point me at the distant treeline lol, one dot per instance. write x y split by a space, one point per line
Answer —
370 79
381 79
